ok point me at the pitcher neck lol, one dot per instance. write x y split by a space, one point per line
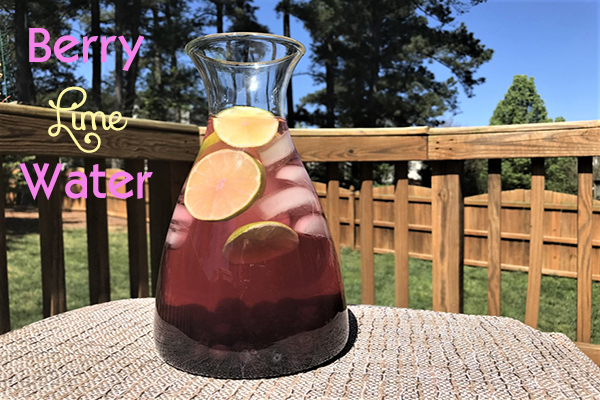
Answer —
245 69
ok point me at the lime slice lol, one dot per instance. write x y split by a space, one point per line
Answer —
244 127
223 184
208 141
258 242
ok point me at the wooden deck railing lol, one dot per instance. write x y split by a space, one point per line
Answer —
170 149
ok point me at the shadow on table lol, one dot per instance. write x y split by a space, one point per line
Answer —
353 333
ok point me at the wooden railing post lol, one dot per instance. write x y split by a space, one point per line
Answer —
401 234
161 211
584 249
97 236
367 271
536 243
333 203
352 217
494 239
52 246
447 236
162 203
179 173
136 234
4 301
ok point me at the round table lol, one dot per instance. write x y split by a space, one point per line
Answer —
107 351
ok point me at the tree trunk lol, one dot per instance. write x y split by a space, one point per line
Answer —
132 74
219 5
158 109
371 106
291 120
330 93
171 29
119 11
25 84
155 32
96 61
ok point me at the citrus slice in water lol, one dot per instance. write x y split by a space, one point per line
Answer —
259 241
244 127
223 184
208 141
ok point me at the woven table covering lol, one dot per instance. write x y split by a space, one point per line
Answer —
107 351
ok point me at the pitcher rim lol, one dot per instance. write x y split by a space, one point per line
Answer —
194 44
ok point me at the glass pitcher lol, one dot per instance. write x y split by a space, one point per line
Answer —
250 284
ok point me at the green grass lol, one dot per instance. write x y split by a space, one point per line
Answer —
557 303
558 298
25 278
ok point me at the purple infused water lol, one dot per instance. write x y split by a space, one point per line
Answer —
259 293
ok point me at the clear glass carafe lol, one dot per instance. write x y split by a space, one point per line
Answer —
250 284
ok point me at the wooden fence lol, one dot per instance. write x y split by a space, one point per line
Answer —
170 148
559 227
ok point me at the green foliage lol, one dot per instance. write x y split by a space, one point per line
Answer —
521 104
7 80
242 17
474 177
561 174
13 179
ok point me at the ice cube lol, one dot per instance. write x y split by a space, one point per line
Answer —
182 217
293 201
293 173
312 225
178 230
282 148
176 237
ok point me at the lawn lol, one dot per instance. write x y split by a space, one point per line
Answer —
557 303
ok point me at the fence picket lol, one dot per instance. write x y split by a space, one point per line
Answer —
4 300
161 210
401 234
333 198
367 271
536 243
447 236
136 235
584 249
494 239
52 246
352 217
97 237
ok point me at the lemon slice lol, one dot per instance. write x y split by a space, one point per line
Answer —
223 185
244 127
258 242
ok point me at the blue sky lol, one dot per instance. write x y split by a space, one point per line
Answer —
556 42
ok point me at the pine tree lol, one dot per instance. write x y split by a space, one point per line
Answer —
373 57
171 90
521 104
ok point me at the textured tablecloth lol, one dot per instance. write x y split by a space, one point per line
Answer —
107 351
